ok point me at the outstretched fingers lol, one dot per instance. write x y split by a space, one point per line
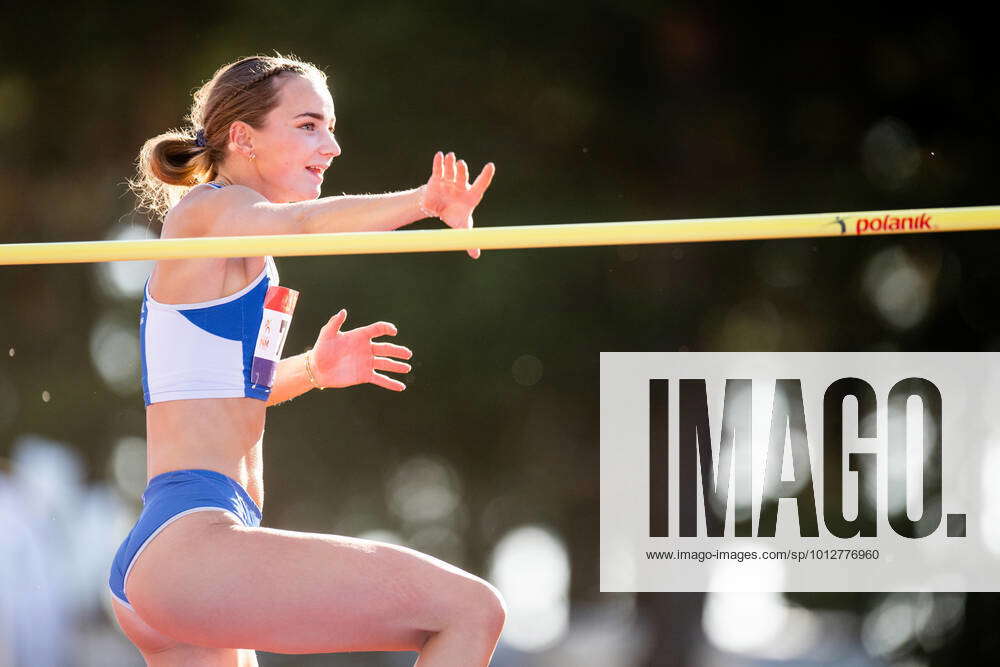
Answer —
385 364
478 189
387 382
455 176
392 350
473 252
484 179
377 329
438 167
449 166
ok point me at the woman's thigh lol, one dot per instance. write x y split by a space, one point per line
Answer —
209 581
158 650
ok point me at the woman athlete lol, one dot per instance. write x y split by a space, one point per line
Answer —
198 581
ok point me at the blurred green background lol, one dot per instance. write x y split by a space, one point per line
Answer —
597 112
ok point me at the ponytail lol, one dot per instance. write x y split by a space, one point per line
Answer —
169 165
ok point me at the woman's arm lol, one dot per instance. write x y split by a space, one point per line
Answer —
290 380
237 210
342 359
361 213
446 195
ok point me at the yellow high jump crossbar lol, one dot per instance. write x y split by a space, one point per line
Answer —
810 225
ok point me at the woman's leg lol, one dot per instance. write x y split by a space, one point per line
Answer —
158 650
209 581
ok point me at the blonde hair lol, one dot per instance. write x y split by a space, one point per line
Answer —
172 163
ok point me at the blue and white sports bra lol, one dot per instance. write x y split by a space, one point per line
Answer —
222 348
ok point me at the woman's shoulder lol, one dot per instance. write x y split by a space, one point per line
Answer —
188 212
197 212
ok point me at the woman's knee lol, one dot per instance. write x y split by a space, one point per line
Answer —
480 604
495 608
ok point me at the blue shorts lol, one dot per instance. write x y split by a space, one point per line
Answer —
170 496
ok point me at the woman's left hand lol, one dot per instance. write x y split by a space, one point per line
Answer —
346 358
449 196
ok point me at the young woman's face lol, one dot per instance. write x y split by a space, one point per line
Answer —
296 144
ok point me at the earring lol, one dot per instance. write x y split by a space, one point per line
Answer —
253 155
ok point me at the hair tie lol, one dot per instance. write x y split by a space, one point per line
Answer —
199 138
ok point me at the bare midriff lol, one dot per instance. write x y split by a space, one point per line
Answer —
220 434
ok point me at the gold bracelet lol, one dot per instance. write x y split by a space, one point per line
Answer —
312 378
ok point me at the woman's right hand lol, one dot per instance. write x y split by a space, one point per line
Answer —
347 358
448 195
